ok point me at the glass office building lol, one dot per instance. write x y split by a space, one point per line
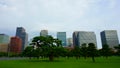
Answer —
110 38
75 38
20 32
84 37
62 36
70 42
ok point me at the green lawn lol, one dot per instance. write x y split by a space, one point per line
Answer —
111 62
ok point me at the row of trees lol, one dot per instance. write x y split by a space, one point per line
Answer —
51 48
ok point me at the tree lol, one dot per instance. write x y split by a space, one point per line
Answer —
48 46
84 50
92 51
118 50
3 54
58 42
28 52
68 53
105 50
36 53
76 52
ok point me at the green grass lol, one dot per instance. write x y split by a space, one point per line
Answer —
111 62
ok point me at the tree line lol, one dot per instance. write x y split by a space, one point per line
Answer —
50 47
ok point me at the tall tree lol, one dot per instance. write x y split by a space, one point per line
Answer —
84 50
118 49
28 52
105 50
76 52
58 42
48 45
92 51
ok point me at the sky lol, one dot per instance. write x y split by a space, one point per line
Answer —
59 16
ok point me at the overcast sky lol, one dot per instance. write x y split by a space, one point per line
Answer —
59 15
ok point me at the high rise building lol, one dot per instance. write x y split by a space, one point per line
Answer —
87 37
70 42
75 38
62 36
20 32
4 48
15 45
110 38
44 33
84 37
4 39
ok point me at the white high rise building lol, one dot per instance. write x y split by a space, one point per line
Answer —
44 33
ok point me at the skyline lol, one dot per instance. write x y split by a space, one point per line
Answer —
99 45
59 16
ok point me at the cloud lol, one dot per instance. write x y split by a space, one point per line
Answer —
58 11
65 8
59 15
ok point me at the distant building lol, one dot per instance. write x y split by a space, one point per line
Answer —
20 32
44 33
84 37
75 38
4 48
70 42
4 39
62 36
110 38
87 37
15 45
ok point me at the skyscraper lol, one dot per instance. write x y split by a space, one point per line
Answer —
20 32
62 36
84 37
110 38
87 37
15 45
70 42
75 38
44 33
4 39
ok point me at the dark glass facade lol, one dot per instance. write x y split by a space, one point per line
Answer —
62 36
75 38
20 32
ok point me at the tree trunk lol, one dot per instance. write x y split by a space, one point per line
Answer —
77 57
106 57
93 59
85 57
51 58
29 57
67 57
38 57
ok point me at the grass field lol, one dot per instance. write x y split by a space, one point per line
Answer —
111 62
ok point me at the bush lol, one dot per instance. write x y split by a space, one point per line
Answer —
3 54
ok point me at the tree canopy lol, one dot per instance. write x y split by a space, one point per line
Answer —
92 51
44 47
